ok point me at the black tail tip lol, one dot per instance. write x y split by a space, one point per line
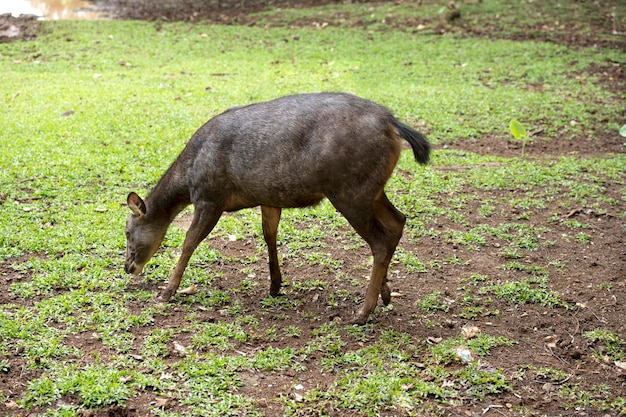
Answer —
422 151
418 142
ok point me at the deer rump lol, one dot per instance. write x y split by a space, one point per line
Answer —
289 152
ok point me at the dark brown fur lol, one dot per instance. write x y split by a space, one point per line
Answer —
289 152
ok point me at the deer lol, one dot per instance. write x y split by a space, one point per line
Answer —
289 152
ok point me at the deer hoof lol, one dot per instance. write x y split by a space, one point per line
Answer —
385 294
360 319
275 289
165 296
275 293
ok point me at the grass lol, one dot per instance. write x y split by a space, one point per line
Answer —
611 345
88 336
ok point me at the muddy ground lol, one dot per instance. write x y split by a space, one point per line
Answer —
593 279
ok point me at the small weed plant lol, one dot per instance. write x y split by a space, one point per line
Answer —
519 132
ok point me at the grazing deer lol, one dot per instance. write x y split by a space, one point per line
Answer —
289 152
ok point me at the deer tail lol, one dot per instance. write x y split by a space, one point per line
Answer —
419 143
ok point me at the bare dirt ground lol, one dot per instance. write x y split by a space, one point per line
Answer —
16 28
594 278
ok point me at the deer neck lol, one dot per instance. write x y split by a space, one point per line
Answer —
168 198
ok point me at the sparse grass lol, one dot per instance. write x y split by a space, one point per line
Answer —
529 290
97 385
434 302
220 336
507 19
445 352
609 345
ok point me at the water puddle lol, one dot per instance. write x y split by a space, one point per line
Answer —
52 9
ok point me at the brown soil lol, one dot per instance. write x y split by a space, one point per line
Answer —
14 28
591 277
221 11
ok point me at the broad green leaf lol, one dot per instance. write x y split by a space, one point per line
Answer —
517 129
622 131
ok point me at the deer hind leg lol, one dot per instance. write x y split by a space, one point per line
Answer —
205 218
380 225
270 219
394 221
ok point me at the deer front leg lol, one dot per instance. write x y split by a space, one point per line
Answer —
205 218
270 220
177 274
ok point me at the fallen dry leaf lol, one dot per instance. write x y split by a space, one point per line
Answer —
161 402
551 341
469 331
11 405
447 383
189 290
180 348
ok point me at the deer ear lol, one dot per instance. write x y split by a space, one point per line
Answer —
136 205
